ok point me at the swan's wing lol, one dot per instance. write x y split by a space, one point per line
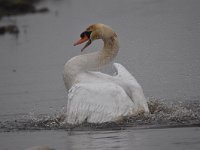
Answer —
123 73
97 103
131 86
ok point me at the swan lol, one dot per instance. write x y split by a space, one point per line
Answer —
96 97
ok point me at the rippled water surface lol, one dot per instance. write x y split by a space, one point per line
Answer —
159 46
151 139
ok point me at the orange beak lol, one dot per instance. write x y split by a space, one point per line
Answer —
82 40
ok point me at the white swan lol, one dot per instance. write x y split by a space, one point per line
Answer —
96 97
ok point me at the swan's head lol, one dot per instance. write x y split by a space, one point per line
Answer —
94 32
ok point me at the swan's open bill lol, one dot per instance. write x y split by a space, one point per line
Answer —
96 97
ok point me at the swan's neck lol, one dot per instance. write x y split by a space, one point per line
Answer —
91 61
108 53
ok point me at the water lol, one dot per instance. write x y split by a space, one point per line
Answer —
159 46
155 139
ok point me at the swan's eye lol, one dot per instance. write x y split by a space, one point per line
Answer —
86 33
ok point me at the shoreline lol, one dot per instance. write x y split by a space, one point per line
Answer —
17 7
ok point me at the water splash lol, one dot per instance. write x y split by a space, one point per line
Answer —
162 114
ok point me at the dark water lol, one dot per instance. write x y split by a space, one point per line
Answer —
162 115
159 46
170 125
154 139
